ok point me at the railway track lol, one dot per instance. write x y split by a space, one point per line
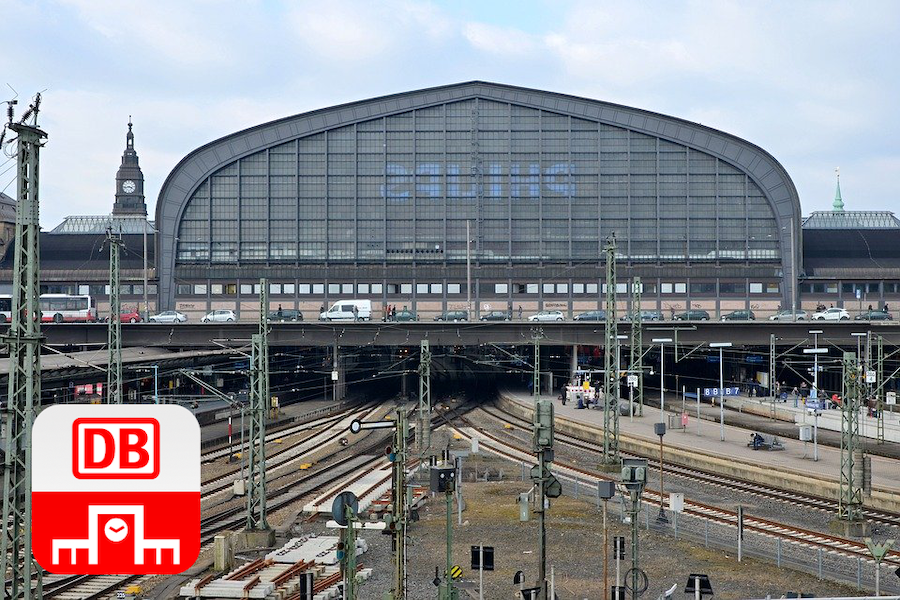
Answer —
808 501
794 535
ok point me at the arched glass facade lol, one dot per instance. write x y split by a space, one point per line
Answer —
534 185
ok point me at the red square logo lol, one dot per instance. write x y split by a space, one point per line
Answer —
115 489
115 448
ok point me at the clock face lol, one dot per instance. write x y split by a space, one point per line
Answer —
128 187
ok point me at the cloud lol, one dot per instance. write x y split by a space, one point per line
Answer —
506 41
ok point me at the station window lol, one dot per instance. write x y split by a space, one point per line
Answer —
531 288
318 289
562 288
437 288
891 287
182 289
246 289
334 288
665 288
84 289
347 288
520 288
137 289
421 288
501 288
454 288
772 288
577 288
199 289
549 288
151 289
406 288
648 287
726 287
275 288
756 287
304 289
393 289
376 288
591 288
216 289
621 288
703 288
362 288
289 288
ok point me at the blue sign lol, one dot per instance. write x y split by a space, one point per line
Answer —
754 358
813 405
716 392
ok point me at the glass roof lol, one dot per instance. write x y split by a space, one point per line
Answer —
858 219
94 224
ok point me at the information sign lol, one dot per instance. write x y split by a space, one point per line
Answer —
716 392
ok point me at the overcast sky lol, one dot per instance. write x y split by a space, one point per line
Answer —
817 84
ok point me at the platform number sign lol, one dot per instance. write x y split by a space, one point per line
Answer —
116 489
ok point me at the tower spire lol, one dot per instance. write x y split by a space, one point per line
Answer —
129 181
838 205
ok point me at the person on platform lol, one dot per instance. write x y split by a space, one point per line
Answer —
885 309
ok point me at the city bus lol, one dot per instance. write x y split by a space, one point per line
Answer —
56 308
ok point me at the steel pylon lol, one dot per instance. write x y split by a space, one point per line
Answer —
259 399
423 439
24 387
114 326
850 499
611 366
636 366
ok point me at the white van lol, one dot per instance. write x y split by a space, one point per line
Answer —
342 310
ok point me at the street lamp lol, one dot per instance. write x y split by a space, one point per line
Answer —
814 394
721 346
662 376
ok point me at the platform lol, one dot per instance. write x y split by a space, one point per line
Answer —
797 457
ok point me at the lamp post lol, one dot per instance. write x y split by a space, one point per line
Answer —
815 351
662 376
660 430
721 346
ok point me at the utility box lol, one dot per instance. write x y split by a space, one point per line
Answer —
806 433
240 487
543 425
443 479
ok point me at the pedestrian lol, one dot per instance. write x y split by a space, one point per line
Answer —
279 311
885 309
870 308
796 394
355 313
520 312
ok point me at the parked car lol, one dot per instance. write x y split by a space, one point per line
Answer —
219 316
495 315
692 315
548 315
348 310
874 315
739 315
405 315
131 316
286 314
831 314
453 315
168 316
788 315
591 315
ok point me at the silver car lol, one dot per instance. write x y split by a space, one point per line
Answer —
548 315
169 316
219 316
787 315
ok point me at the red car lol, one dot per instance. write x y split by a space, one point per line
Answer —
132 316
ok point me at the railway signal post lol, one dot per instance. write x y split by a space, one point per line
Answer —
634 478
636 365
546 484
443 480
850 520
257 524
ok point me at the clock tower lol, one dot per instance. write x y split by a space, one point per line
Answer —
129 182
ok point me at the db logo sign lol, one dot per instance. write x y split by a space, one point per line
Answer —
115 489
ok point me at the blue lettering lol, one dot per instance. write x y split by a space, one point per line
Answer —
563 185
530 181
428 180
454 190
494 181
398 183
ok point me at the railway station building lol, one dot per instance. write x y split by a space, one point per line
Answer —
404 199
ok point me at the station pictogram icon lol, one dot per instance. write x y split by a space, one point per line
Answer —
116 489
